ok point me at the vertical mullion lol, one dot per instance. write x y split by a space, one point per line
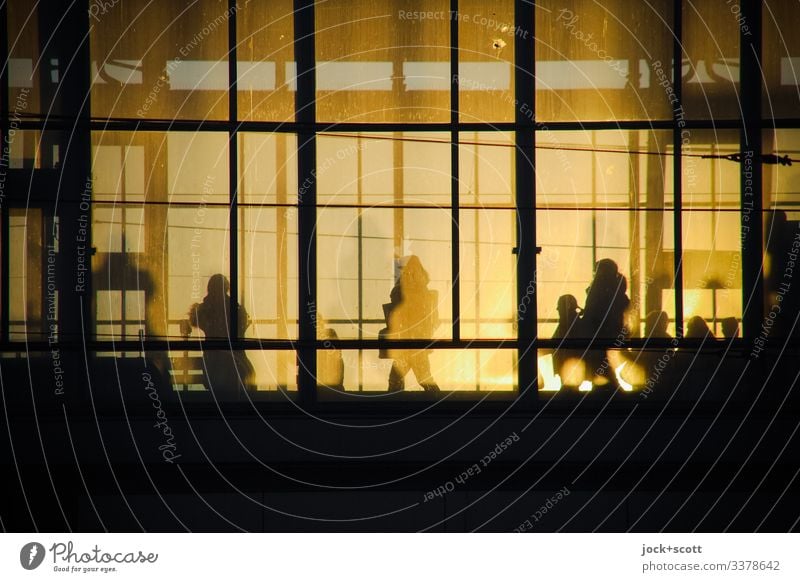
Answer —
751 170
525 142
233 172
305 114
677 166
360 253
455 236
594 200
5 154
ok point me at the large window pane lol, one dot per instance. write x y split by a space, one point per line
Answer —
372 169
265 60
603 169
366 373
601 196
382 61
268 263
160 60
712 233
781 60
486 169
361 254
488 273
160 217
30 302
268 257
486 60
574 242
234 375
267 168
781 190
25 68
599 61
710 60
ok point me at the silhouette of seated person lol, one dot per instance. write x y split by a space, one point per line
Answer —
656 324
330 365
567 362
227 372
730 327
604 317
412 314
735 361
655 327
699 365
697 328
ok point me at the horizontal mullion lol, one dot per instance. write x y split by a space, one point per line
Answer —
151 345
136 124
390 206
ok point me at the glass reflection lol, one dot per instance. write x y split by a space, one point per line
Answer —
377 63
367 374
598 61
160 60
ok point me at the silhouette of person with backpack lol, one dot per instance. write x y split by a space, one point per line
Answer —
412 314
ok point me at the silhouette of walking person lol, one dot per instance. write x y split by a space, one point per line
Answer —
227 371
606 301
412 314
604 313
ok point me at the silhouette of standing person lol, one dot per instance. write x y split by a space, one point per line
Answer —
568 316
227 371
604 313
565 360
330 365
606 301
412 314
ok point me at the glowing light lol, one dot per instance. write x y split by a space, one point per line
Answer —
552 381
627 387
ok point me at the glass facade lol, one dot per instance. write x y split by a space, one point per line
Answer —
359 203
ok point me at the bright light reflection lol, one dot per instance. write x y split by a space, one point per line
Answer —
627 387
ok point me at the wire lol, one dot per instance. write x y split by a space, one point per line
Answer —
773 159
765 158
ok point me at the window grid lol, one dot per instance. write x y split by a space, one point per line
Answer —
304 15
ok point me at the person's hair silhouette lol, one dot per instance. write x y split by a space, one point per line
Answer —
412 314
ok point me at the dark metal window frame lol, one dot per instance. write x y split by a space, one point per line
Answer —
306 127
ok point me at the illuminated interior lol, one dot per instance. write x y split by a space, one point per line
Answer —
425 163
